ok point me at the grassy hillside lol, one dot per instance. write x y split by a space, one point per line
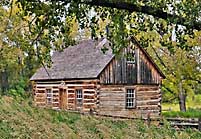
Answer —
18 119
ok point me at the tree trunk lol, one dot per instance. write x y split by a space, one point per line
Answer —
182 98
182 102
4 82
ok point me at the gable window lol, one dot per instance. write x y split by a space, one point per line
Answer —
130 98
130 56
131 68
49 95
79 96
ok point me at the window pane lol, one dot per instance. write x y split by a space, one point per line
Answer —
79 98
130 98
79 94
49 96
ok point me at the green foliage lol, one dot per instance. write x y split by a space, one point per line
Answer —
18 60
18 89
190 113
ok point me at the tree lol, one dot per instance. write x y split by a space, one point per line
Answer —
176 25
14 49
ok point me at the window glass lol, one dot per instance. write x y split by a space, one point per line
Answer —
79 95
49 96
130 98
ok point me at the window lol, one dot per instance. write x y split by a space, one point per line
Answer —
131 68
130 56
79 95
130 98
49 96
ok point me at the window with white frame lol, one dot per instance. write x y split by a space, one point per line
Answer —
49 95
130 98
79 95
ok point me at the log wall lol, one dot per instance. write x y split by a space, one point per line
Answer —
112 101
89 91
40 95
101 99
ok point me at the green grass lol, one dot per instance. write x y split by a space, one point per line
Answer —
19 119
190 113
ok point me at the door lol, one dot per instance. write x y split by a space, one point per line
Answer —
62 98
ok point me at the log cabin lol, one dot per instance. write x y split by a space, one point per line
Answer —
84 79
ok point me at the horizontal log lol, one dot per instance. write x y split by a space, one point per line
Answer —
87 94
113 107
148 107
112 90
109 94
71 101
40 95
89 101
149 111
88 106
148 97
112 94
149 92
70 96
89 97
80 85
117 108
148 102
47 85
40 91
55 89
71 91
71 104
103 99
109 105
55 95
55 102
89 90
147 88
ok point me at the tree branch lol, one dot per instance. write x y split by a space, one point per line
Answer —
146 10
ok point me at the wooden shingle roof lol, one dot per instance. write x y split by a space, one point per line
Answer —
84 60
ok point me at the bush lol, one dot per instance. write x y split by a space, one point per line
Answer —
17 89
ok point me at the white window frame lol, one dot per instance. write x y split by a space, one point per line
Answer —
130 98
79 95
49 95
